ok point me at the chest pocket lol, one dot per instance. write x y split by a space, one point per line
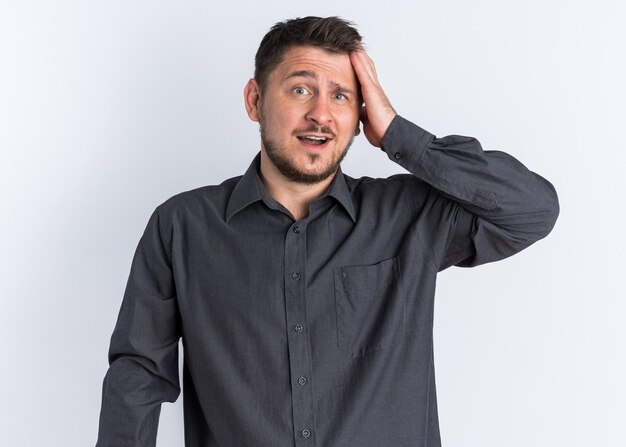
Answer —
370 309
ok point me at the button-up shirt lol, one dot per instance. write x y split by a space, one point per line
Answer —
315 332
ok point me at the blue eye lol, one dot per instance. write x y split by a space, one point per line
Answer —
299 91
340 96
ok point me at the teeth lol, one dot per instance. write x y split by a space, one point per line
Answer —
315 138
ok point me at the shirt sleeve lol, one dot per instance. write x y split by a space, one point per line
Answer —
143 354
496 207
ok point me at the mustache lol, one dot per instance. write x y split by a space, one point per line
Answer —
315 129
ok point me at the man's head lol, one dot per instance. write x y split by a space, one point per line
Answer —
332 34
305 96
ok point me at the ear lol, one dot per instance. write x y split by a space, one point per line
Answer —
252 96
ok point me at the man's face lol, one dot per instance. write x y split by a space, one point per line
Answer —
308 112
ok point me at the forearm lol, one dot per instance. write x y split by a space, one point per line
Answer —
131 404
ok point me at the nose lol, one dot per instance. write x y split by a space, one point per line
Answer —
319 111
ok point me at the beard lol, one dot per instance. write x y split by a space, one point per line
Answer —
287 167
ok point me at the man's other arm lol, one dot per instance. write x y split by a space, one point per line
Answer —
143 354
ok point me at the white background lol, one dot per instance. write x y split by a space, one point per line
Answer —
107 108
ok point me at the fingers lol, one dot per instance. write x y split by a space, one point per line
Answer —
371 89
377 113
364 67
369 64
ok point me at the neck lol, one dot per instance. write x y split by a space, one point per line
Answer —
296 197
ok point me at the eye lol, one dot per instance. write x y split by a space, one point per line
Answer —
340 96
299 90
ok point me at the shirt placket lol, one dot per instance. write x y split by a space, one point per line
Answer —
298 335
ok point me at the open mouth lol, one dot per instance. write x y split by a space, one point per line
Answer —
313 140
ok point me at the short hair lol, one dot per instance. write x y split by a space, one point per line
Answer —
332 34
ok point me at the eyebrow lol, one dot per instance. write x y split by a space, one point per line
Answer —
313 75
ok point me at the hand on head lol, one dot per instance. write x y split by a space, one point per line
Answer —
377 113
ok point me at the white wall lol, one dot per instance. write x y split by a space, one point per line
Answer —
107 108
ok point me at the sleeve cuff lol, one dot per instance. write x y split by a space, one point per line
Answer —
405 142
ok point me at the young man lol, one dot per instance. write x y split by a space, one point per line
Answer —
304 297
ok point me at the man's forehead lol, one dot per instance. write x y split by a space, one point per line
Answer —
313 62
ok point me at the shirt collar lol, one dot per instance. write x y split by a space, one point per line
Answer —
250 189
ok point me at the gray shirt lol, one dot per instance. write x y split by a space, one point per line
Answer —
315 332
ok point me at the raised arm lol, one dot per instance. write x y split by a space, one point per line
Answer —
496 205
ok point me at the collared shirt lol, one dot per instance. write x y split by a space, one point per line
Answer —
316 332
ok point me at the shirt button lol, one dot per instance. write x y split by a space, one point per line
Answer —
295 276
398 155
306 433
298 328
296 229
302 381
